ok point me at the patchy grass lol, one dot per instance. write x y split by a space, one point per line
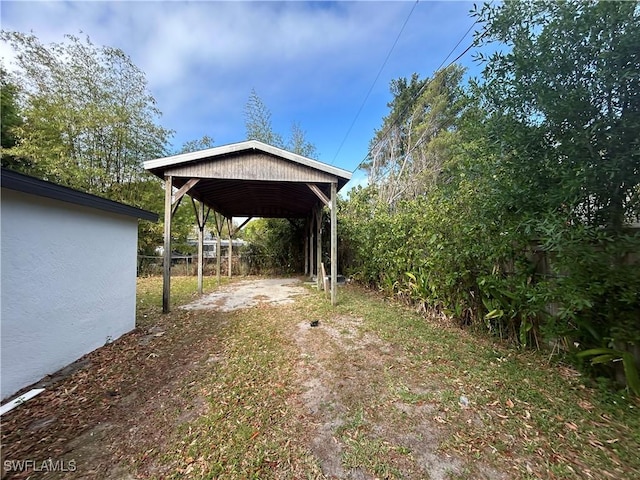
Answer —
525 416
250 421
372 392
391 387
183 290
242 422
391 384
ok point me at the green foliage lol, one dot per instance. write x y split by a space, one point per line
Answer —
609 355
415 140
275 245
564 103
195 145
564 113
83 117
299 144
89 120
258 122
519 224
259 127
10 118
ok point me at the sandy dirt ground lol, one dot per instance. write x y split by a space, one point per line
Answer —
246 294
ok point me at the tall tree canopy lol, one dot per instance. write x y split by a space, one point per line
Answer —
407 153
9 110
259 127
564 96
258 122
194 145
512 201
89 118
298 142
11 118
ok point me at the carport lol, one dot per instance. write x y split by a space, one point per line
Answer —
251 179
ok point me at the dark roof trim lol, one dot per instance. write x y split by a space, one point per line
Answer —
34 186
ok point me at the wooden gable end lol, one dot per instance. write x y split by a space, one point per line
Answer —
252 166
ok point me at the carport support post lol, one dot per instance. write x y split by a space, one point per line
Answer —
334 243
219 225
200 213
229 226
166 276
311 246
318 215
218 255
306 248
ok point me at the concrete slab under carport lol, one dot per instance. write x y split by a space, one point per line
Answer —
249 293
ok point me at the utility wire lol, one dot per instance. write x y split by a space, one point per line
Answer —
426 84
374 82
457 45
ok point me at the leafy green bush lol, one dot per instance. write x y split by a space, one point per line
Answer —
532 176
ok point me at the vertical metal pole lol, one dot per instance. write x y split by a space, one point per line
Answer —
200 246
334 243
166 274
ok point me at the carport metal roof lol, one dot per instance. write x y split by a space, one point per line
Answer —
250 179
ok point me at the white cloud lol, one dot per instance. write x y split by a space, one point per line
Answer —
249 39
308 61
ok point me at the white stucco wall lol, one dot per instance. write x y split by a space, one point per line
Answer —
68 284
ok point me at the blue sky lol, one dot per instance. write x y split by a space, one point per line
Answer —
310 63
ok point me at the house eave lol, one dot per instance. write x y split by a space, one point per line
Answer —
42 188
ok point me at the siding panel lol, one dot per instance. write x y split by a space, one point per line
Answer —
252 166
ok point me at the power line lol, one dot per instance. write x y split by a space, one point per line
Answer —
457 45
374 82
426 84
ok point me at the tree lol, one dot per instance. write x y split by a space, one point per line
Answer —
565 101
259 127
11 119
563 97
275 244
409 150
195 145
9 110
89 119
298 142
520 224
258 122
